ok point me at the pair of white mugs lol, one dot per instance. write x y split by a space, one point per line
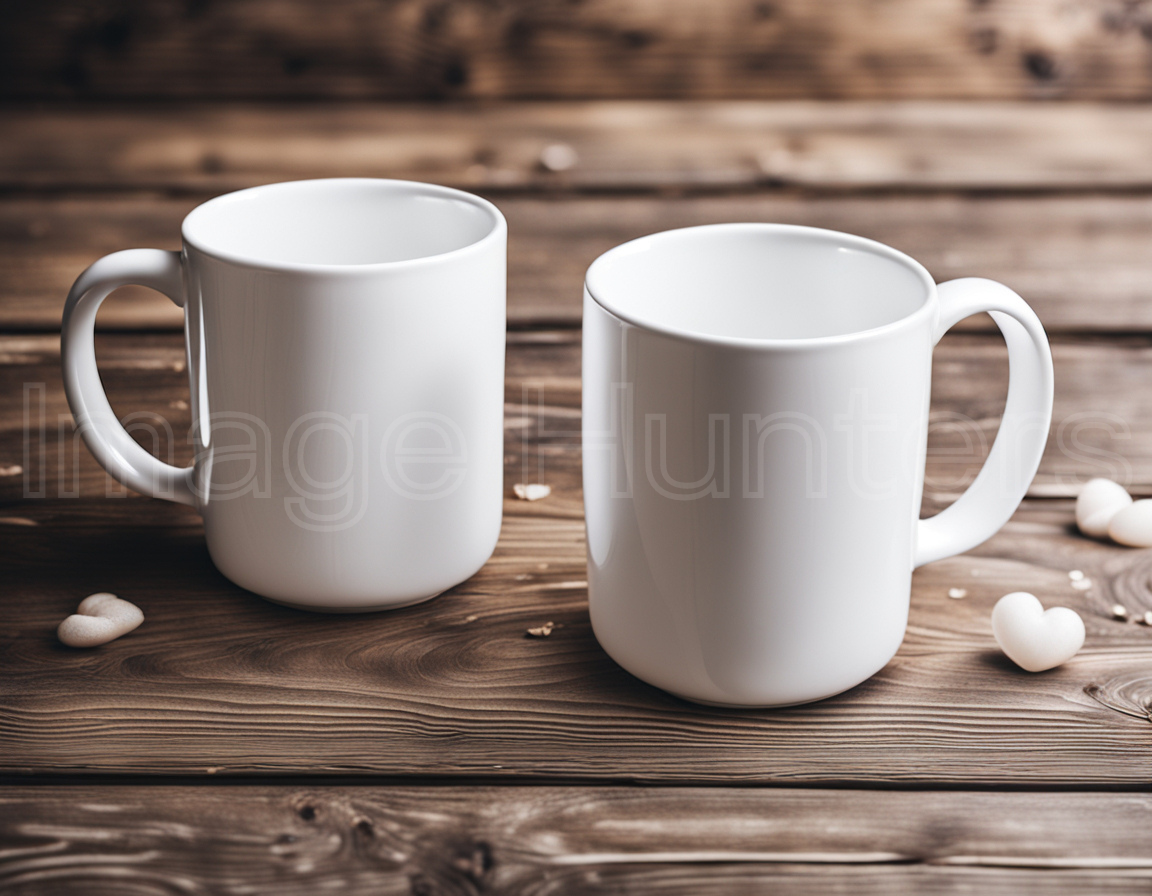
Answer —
755 418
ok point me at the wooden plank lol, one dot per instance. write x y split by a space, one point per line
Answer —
217 681
579 840
147 381
1084 262
603 145
420 50
1099 426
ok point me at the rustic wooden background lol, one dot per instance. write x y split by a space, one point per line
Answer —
231 746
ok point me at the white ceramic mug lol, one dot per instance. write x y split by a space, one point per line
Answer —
346 359
755 426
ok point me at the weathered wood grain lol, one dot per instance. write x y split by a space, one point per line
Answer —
1099 428
576 840
618 145
1100 425
146 379
1084 263
218 682
428 49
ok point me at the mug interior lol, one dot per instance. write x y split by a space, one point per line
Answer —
343 221
758 282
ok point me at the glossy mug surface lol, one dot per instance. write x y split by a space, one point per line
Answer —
346 359
756 405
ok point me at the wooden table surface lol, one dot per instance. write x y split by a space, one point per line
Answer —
233 746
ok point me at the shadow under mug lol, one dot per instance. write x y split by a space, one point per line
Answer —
345 343
755 402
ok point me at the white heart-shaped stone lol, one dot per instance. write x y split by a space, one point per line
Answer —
1035 639
532 491
1098 502
1132 526
100 618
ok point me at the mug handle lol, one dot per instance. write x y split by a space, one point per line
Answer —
1004 479
115 450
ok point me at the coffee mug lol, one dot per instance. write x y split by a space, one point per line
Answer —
345 345
755 428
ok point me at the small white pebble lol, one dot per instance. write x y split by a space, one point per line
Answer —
1146 619
1132 526
558 157
542 631
1082 584
1098 502
100 618
533 491
1076 575
957 593
1119 611
11 470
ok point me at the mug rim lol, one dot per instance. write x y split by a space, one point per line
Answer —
498 227
925 309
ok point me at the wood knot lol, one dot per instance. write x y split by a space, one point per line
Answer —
1129 694
296 65
636 39
1040 66
419 885
476 863
455 74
